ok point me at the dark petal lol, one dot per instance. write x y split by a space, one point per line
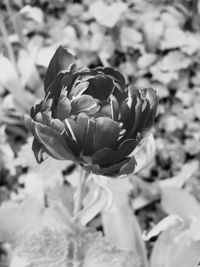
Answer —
106 133
114 107
84 103
38 117
79 128
116 75
152 97
78 89
37 108
61 60
141 121
100 87
145 117
38 150
46 117
28 123
53 143
72 144
113 170
128 167
131 111
92 168
46 105
54 90
107 156
63 108
57 125
69 79
120 96
88 143
104 111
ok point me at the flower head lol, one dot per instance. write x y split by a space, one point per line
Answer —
89 116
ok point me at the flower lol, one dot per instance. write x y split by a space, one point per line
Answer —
89 116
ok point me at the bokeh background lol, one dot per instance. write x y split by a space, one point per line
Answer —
153 43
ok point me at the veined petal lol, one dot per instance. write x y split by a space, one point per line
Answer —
38 150
84 103
152 97
53 143
104 111
63 108
61 60
88 143
100 87
79 128
113 170
78 89
107 156
106 133
128 167
116 75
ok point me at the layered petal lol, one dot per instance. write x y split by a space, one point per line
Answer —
53 143
61 60
100 87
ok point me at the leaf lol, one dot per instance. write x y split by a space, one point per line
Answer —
173 38
19 220
162 248
28 72
176 247
9 77
172 200
186 172
119 223
153 31
130 37
107 15
44 237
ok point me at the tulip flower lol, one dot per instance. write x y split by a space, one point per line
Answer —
91 117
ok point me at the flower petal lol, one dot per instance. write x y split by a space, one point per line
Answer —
116 75
84 103
114 169
79 127
61 60
63 108
107 156
88 144
104 111
128 167
106 133
38 150
53 143
100 87
152 97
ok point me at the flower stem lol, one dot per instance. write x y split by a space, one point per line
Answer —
80 191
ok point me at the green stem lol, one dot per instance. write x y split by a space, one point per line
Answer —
80 191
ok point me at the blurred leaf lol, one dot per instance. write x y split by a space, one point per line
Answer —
29 74
174 249
120 224
175 60
172 200
153 31
130 37
107 15
9 77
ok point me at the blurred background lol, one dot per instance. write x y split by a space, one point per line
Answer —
153 43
